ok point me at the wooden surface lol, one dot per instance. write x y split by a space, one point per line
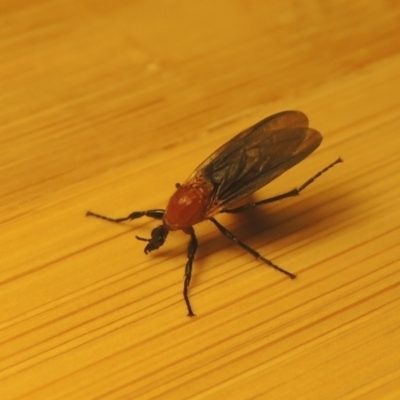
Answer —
105 105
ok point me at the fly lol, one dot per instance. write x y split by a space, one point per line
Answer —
244 164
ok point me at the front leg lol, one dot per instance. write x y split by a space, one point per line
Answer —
156 214
191 251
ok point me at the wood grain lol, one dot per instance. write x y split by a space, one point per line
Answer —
105 106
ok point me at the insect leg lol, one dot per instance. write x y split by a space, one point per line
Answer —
253 252
156 214
291 193
191 251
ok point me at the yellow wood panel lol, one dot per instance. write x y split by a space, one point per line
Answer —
105 105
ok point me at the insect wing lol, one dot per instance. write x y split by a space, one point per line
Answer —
257 156
284 119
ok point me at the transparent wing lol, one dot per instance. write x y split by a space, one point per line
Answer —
256 156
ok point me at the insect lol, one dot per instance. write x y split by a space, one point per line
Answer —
238 168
